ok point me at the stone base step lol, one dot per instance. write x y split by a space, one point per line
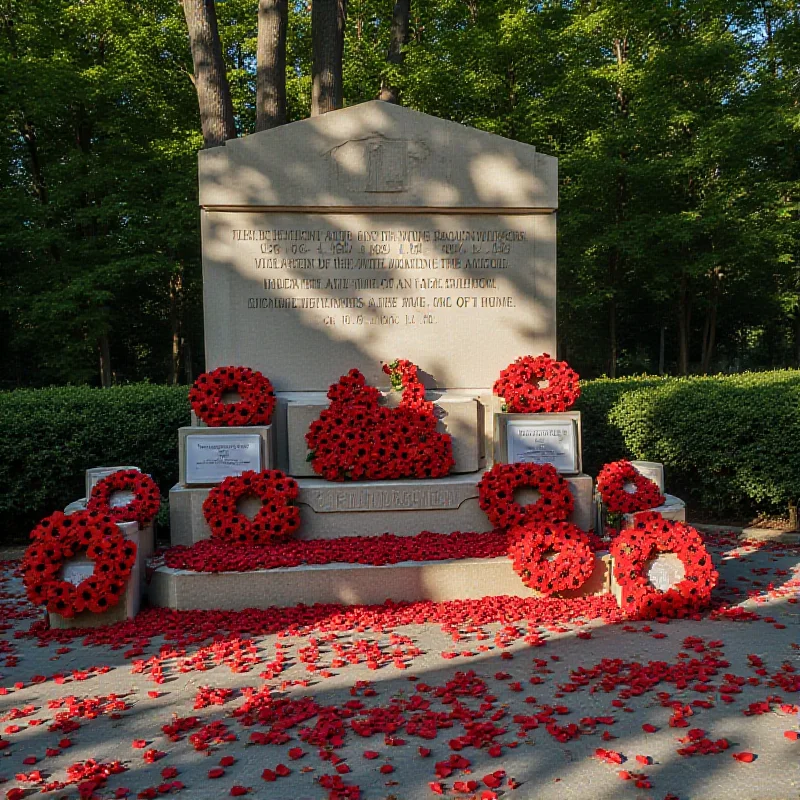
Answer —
350 584
370 508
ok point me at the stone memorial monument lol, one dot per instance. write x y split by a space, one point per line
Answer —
349 240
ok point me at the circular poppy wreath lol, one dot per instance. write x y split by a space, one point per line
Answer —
611 482
569 568
255 390
61 537
276 519
519 385
142 508
651 535
496 495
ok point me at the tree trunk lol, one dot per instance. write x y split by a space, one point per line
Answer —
395 56
105 360
175 287
328 19
188 369
211 82
273 18
710 327
684 325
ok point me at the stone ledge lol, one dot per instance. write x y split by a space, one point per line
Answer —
370 508
350 584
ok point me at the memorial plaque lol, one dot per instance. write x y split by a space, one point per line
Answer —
539 439
372 233
212 458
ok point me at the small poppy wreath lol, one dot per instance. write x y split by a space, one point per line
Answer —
276 519
519 387
571 566
142 508
611 483
255 407
61 537
650 535
496 495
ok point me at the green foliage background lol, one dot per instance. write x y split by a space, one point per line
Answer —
728 443
677 126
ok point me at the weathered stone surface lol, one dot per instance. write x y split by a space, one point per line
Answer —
377 155
264 432
347 583
306 274
459 414
653 470
370 508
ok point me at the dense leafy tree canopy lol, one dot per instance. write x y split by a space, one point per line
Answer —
677 126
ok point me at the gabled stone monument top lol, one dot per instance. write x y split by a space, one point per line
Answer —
377 155
374 233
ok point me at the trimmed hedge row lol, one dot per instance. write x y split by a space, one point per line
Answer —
49 437
728 442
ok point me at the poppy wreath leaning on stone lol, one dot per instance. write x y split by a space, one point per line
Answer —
277 518
142 508
650 536
496 495
356 438
551 557
611 482
255 390
519 385
61 537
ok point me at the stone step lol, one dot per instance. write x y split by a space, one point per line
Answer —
350 584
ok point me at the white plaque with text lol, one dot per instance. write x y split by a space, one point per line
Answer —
543 442
212 458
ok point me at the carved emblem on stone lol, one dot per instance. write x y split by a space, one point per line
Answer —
376 164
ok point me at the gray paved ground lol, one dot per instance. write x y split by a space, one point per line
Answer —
762 582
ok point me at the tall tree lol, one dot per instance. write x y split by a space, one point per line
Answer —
328 20
273 18
210 78
397 41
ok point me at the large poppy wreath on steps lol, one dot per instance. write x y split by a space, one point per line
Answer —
143 505
60 537
276 519
650 536
356 438
551 557
496 495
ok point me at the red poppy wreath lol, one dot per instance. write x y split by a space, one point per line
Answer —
611 482
633 549
551 557
142 508
356 438
520 386
255 390
60 537
276 519
496 495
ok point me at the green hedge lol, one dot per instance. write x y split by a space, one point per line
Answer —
49 437
729 443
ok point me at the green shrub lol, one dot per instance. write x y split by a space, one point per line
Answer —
728 442
49 437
